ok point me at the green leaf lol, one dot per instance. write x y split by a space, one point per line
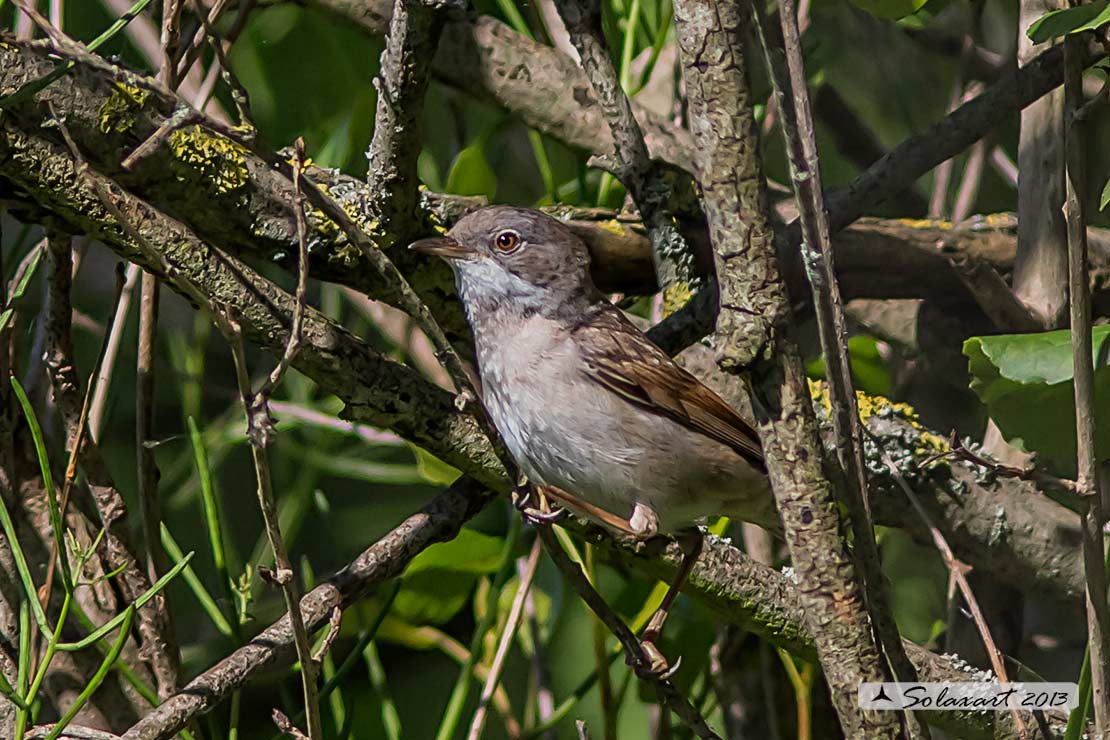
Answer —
1068 21
470 552
1025 381
890 9
470 174
1104 199
432 469
433 597
439 581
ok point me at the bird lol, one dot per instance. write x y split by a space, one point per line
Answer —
588 407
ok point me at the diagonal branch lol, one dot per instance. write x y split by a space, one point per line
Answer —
632 164
440 520
792 92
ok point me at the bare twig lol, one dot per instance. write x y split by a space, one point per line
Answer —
958 571
1031 473
260 433
293 345
669 695
801 145
60 362
286 726
99 405
154 623
508 634
1098 614
171 40
969 184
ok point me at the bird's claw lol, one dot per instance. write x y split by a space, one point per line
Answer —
522 497
536 516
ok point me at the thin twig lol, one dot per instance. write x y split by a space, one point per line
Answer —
155 624
170 41
1098 615
99 404
286 726
958 571
669 695
958 450
60 362
260 430
508 634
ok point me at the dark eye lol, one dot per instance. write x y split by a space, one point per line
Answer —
506 241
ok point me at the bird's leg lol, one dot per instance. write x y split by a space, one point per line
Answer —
691 541
594 512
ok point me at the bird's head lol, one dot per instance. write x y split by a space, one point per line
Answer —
514 258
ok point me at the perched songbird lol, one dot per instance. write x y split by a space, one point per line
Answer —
584 401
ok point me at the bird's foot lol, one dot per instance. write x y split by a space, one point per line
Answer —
658 667
544 514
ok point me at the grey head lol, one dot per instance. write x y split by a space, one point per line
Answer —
515 259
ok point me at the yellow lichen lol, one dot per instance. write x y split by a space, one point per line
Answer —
926 443
219 162
613 226
675 296
925 223
120 111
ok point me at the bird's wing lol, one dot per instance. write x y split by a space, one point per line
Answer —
618 356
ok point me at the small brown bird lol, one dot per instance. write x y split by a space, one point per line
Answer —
585 402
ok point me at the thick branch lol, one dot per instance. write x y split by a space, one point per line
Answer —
754 328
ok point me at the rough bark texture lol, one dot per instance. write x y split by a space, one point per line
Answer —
753 329
413 32
153 621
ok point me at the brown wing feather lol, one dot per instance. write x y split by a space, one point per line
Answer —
622 359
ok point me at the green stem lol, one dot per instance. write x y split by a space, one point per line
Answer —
98 677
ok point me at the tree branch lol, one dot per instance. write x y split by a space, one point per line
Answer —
439 521
754 330
413 35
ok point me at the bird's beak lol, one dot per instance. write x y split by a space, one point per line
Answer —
441 246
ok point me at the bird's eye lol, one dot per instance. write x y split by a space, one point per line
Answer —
507 241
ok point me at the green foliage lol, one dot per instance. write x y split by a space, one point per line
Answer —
470 174
1025 381
1069 20
439 581
890 9
870 372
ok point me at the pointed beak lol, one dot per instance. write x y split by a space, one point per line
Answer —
441 246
